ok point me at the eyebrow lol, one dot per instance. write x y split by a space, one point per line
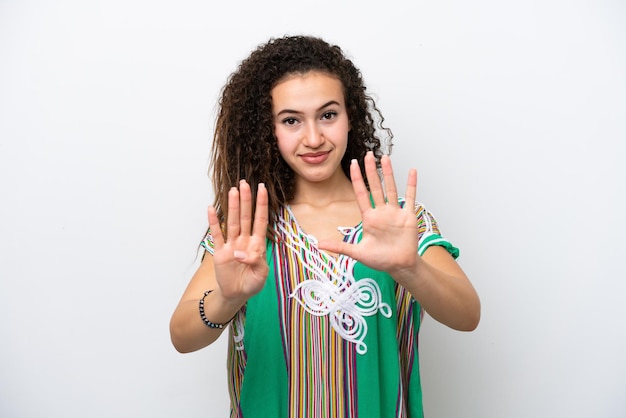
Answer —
290 111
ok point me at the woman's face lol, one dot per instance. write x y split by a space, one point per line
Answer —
311 125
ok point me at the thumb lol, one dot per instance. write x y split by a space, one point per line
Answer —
338 247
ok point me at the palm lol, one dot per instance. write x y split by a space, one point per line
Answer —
236 277
389 238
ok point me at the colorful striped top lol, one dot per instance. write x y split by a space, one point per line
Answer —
327 337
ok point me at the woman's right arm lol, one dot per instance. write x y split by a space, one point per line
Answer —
235 271
187 330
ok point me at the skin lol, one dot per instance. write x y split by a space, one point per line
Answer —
311 126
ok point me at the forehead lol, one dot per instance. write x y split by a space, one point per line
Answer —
307 86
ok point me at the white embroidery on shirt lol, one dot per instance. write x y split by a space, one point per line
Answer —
237 328
333 291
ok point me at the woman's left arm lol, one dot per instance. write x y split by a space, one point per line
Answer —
390 241
441 287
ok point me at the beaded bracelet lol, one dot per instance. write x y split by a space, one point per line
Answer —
203 316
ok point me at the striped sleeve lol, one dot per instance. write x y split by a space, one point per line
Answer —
429 233
207 243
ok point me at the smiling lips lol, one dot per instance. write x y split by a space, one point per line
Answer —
315 157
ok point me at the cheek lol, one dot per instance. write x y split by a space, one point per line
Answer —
340 133
283 142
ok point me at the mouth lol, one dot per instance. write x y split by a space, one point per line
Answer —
315 157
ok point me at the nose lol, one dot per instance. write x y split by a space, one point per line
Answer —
313 136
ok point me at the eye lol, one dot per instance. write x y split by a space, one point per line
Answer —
329 115
290 121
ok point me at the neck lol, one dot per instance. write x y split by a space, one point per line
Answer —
337 189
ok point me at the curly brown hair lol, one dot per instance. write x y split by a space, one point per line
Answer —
244 145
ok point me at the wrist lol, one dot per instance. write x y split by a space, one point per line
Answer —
215 310
207 322
408 274
228 303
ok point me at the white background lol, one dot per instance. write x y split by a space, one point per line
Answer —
513 112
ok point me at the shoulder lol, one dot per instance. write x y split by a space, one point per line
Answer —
428 230
424 217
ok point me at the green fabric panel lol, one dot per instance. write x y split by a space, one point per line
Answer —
378 370
264 391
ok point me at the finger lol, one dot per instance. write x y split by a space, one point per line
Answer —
339 247
390 183
240 255
215 228
411 189
259 228
233 214
245 208
261 212
358 185
373 179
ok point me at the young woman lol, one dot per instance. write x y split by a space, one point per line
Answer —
319 269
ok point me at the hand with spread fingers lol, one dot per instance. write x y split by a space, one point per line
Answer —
240 265
390 236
